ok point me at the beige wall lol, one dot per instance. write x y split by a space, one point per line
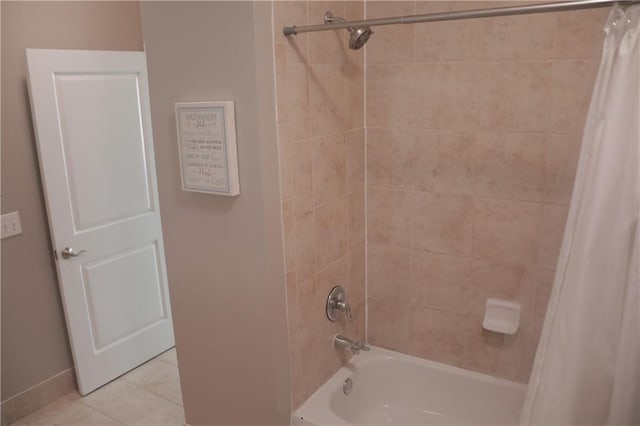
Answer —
224 255
321 142
473 134
34 341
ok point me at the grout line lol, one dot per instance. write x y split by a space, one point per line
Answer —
150 391
483 61
101 412
472 195
166 362
280 147
365 189
477 130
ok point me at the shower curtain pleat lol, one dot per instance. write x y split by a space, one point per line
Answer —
587 368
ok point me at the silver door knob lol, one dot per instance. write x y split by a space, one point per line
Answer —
68 253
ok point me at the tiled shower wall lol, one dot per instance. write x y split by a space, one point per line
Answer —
473 132
320 112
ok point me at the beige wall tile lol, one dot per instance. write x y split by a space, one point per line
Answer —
579 34
506 231
280 60
302 176
554 218
286 159
286 13
389 217
297 48
388 273
289 236
305 234
355 160
356 219
284 133
326 99
357 273
444 161
430 89
531 76
514 95
511 165
435 335
391 96
311 319
561 159
450 40
296 88
331 231
518 37
442 223
293 315
329 168
336 273
516 357
354 10
307 357
320 95
390 157
482 348
389 324
394 43
353 94
441 282
326 47
447 96
572 85
301 385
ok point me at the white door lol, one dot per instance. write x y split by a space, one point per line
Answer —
93 129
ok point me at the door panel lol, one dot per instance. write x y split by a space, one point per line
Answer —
116 284
95 146
106 182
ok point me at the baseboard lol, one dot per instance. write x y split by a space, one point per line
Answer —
36 397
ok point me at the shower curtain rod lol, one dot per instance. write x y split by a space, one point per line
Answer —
463 14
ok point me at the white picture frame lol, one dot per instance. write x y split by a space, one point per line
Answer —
207 147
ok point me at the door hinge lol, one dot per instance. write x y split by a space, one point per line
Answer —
55 254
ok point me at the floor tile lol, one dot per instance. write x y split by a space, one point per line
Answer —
68 410
169 356
132 405
159 378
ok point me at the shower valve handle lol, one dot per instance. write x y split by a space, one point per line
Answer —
337 303
345 307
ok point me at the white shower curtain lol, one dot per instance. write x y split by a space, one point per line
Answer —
587 368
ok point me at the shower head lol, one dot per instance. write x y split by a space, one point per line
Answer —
358 35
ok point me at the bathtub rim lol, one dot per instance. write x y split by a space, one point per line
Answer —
320 399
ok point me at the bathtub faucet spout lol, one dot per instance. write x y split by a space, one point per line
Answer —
341 342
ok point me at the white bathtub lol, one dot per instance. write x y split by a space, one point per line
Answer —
395 389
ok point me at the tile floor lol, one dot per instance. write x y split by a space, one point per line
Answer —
149 395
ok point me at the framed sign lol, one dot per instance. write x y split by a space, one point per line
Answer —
207 147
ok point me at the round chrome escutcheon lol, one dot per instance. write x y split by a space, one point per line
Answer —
347 386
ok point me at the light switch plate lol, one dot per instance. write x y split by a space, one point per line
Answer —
11 224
